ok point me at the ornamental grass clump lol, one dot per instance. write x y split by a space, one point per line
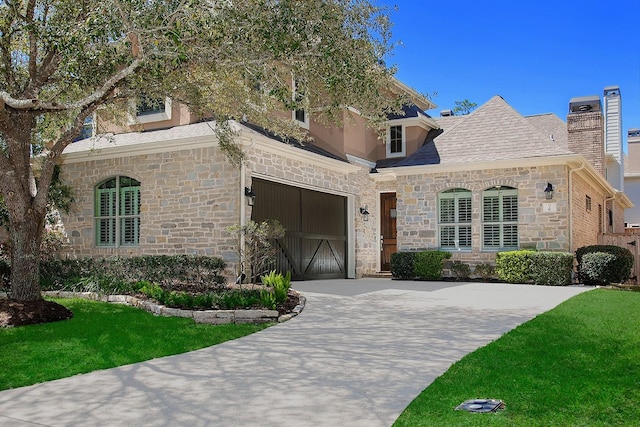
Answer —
278 284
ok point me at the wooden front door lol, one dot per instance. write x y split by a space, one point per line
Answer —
388 235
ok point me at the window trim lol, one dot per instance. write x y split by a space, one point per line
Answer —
501 223
149 118
116 216
456 194
403 135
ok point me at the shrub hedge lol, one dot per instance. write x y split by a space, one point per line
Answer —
594 266
618 270
551 268
539 268
428 264
200 271
514 266
403 265
425 265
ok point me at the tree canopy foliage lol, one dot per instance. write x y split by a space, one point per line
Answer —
61 60
464 107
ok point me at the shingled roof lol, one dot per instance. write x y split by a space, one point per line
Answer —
495 131
177 133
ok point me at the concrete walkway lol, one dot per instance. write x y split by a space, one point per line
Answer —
358 354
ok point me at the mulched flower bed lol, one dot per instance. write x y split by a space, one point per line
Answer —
14 313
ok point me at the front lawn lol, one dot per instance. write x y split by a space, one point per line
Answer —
576 365
100 336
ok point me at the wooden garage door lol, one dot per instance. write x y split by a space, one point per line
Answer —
315 244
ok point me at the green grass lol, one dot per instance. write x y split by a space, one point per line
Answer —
100 336
576 365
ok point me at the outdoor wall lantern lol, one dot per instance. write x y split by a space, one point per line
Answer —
365 213
548 192
250 195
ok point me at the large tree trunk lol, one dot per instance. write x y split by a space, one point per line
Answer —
25 259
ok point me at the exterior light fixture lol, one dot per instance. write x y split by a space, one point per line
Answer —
250 195
365 213
548 192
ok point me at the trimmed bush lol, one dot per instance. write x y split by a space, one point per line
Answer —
619 269
539 268
111 274
403 265
460 269
486 271
594 266
428 264
514 266
551 268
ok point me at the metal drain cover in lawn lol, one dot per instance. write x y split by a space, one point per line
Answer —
481 405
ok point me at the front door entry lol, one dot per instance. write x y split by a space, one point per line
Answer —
388 235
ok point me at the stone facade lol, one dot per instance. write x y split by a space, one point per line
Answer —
418 208
188 199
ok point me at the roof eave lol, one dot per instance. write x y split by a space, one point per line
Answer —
416 97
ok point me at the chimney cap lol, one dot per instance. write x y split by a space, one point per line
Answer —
446 113
585 104
611 90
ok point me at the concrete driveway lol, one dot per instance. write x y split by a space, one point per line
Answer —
358 354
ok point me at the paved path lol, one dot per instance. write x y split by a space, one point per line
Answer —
358 354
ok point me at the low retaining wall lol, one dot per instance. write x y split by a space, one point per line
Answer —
212 317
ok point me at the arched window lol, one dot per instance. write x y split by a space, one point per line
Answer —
117 212
454 218
500 218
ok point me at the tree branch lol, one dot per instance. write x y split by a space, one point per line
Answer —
33 42
97 95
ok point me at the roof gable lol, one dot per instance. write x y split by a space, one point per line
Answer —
495 131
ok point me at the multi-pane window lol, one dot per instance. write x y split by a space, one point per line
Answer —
147 106
117 212
500 218
395 141
454 218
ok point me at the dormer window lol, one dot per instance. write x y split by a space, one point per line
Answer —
148 106
299 115
88 129
148 109
396 146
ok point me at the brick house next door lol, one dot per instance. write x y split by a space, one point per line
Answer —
315 243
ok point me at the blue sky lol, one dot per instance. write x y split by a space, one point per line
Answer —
536 55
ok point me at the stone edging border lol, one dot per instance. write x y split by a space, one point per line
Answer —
212 317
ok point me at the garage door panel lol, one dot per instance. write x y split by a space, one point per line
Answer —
322 258
319 214
315 243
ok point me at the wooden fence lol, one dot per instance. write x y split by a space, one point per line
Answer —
630 241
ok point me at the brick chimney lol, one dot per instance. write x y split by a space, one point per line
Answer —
585 126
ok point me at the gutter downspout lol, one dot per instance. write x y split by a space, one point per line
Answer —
582 166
